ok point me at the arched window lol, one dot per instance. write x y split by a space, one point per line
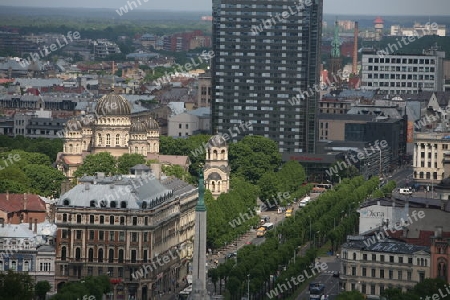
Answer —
120 256
99 140
78 254
113 204
213 184
70 148
123 204
91 255
100 255
26 266
215 154
14 265
218 186
223 154
63 253
66 202
111 256
117 139
108 139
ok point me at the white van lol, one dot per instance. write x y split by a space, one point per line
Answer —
304 202
406 191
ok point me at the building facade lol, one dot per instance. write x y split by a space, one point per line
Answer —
123 227
111 129
371 266
392 73
258 68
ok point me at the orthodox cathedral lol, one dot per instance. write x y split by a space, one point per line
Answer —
111 128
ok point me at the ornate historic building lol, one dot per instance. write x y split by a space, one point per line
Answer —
217 171
440 256
112 128
136 229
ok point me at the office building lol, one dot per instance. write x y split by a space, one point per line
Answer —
262 63
393 73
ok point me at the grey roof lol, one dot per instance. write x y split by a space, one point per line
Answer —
346 117
38 82
202 111
385 246
134 190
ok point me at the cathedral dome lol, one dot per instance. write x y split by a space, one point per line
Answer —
73 125
138 127
113 105
152 124
217 141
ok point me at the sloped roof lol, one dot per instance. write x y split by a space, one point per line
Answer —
15 202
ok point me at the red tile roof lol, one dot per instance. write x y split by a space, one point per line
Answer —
15 202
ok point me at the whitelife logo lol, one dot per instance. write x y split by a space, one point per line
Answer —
53 47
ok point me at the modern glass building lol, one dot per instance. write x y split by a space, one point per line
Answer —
265 69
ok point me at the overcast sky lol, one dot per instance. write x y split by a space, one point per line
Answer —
366 7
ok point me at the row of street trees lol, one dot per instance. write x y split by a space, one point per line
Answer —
330 217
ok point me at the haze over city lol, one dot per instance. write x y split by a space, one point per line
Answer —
358 7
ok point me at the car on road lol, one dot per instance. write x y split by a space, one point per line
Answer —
230 255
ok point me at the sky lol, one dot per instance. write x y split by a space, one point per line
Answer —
336 7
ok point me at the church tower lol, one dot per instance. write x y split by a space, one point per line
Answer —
217 171
199 291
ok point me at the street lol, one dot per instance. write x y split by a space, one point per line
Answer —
331 283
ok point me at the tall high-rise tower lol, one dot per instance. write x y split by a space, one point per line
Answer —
199 291
336 58
267 55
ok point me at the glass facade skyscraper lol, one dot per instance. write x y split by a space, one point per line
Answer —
266 69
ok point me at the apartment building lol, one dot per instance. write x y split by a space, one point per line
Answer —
121 226
258 68
371 266
392 73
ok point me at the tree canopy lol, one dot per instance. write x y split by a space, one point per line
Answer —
90 286
16 286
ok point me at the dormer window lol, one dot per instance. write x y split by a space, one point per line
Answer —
113 204
66 202
123 204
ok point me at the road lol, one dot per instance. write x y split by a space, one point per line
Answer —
403 177
331 283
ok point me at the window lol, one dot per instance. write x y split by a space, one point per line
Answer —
100 255
187 126
64 234
146 221
121 236
102 219
382 258
63 253
78 235
134 221
145 237
400 259
111 236
421 276
90 271
101 235
353 271
91 219
374 257
26 266
354 256
400 275
122 220
134 237
100 271
363 288
79 219
120 272
117 139
391 274
91 235
110 271
78 254
410 260
108 139
14 265
120 260
364 256
145 256
372 289
133 256
91 255
179 126
381 289
373 273
64 217
408 275
381 273
364 272
111 256
111 220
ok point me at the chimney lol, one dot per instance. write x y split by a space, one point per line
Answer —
35 226
30 224
156 170
355 50
25 201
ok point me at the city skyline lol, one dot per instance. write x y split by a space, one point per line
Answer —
337 7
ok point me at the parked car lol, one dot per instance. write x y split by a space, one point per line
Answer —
230 255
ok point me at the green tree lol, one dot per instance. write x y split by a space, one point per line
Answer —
291 176
42 288
178 172
46 180
351 295
253 156
16 286
127 160
99 162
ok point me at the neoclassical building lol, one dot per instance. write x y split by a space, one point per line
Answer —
216 170
112 128
138 229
